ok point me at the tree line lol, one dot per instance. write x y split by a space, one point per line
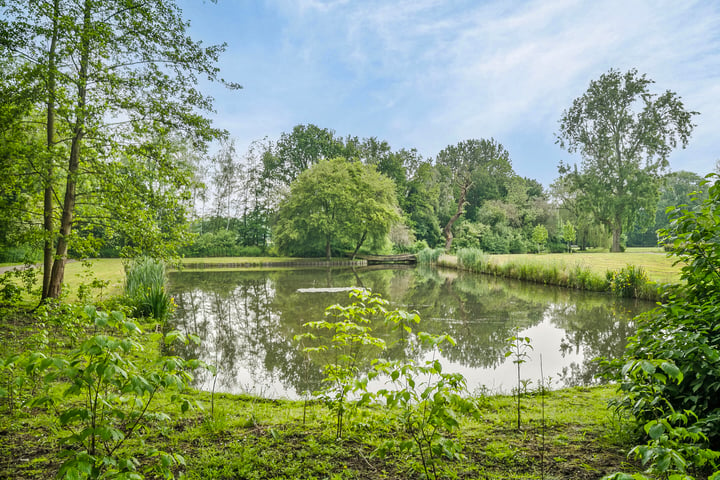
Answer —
104 135
302 189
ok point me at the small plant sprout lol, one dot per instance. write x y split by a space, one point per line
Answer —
519 351
351 338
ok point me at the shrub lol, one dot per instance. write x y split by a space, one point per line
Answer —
670 373
20 254
423 400
495 243
106 400
629 282
518 245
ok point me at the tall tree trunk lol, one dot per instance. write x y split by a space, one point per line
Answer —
68 209
447 231
359 244
616 234
327 247
48 202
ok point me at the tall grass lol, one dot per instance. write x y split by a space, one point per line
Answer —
429 256
145 282
630 281
472 259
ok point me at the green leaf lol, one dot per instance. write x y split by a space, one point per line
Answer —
655 430
672 371
647 366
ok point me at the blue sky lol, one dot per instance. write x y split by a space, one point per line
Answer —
425 74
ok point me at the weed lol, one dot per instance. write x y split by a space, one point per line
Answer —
629 282
519 348
107 400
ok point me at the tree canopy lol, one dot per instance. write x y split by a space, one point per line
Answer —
114 85
336 204
624 134
485 163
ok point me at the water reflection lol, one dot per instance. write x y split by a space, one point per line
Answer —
247 321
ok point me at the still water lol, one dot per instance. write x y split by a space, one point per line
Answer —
247 321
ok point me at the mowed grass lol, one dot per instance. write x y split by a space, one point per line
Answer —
105 269
658 266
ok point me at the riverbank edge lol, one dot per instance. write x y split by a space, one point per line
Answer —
572 434
565 434
562 275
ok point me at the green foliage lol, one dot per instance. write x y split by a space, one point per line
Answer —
299 150
427 402
624 134
678 188
95 178
19 254
519 351
336 204
670 373
105 400
351 337
222 243
429 256
483 165
569 234
540 236
16 283
423 400
145 288
472 259
630 282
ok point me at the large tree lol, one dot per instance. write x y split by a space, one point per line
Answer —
468 163
624 134
114 81
335 204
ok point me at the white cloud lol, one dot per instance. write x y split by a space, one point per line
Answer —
427 73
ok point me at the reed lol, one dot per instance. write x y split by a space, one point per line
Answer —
472 259
145 281
429 256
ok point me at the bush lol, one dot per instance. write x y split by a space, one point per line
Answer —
629 282
104 404
21 254
518 245
670 373
495 243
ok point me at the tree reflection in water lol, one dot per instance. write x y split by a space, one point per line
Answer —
247 321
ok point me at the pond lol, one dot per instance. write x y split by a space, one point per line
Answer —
247 321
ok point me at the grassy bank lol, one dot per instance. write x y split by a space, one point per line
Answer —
658 266
587 271
249 438
638 274
575 437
